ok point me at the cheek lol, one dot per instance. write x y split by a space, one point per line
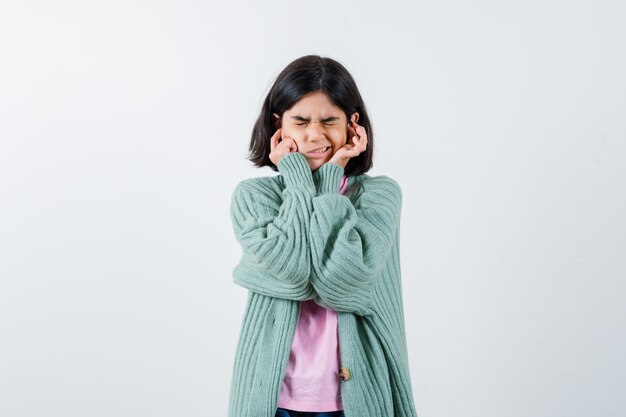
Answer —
290 132
339 139
295 135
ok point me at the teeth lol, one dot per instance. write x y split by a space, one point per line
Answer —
321 149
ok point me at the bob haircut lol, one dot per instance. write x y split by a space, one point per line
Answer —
307 74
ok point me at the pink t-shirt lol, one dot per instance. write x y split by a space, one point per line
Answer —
311 381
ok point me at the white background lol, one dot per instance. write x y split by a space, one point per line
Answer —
124 127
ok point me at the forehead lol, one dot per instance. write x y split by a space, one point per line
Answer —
314 103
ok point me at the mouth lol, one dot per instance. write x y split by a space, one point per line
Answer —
319 152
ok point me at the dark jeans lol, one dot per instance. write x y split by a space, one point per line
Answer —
283 412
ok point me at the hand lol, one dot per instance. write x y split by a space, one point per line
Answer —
350 150
280 148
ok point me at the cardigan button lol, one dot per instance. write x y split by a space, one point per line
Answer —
344 374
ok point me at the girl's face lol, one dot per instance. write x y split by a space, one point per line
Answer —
317 126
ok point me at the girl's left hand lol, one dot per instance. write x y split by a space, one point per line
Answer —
350 150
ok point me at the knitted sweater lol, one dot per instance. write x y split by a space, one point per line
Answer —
302 240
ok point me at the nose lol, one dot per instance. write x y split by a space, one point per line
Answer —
315 132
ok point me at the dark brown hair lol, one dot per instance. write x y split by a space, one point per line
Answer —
307 74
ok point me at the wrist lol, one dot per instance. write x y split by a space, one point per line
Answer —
295 170
327 178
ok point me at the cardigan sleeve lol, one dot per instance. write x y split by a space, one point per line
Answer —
351 243
273 230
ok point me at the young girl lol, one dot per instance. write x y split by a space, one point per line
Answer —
323 331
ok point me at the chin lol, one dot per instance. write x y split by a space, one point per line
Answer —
316 163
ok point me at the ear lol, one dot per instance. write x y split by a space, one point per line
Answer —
354 117
277 120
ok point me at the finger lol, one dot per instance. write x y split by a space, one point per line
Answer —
362 137
360 131
347 151
351 137
348 148
356 139
362 144
289 144
359 145
274 139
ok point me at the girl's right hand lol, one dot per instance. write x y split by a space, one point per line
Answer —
280 148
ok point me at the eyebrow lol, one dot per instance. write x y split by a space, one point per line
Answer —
304 119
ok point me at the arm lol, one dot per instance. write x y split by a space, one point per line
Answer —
273 232
350 244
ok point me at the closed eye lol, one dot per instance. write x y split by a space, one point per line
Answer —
326 123
301 120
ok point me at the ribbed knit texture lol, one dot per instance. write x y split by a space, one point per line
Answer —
302 239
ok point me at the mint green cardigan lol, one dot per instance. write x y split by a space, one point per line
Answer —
301 240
